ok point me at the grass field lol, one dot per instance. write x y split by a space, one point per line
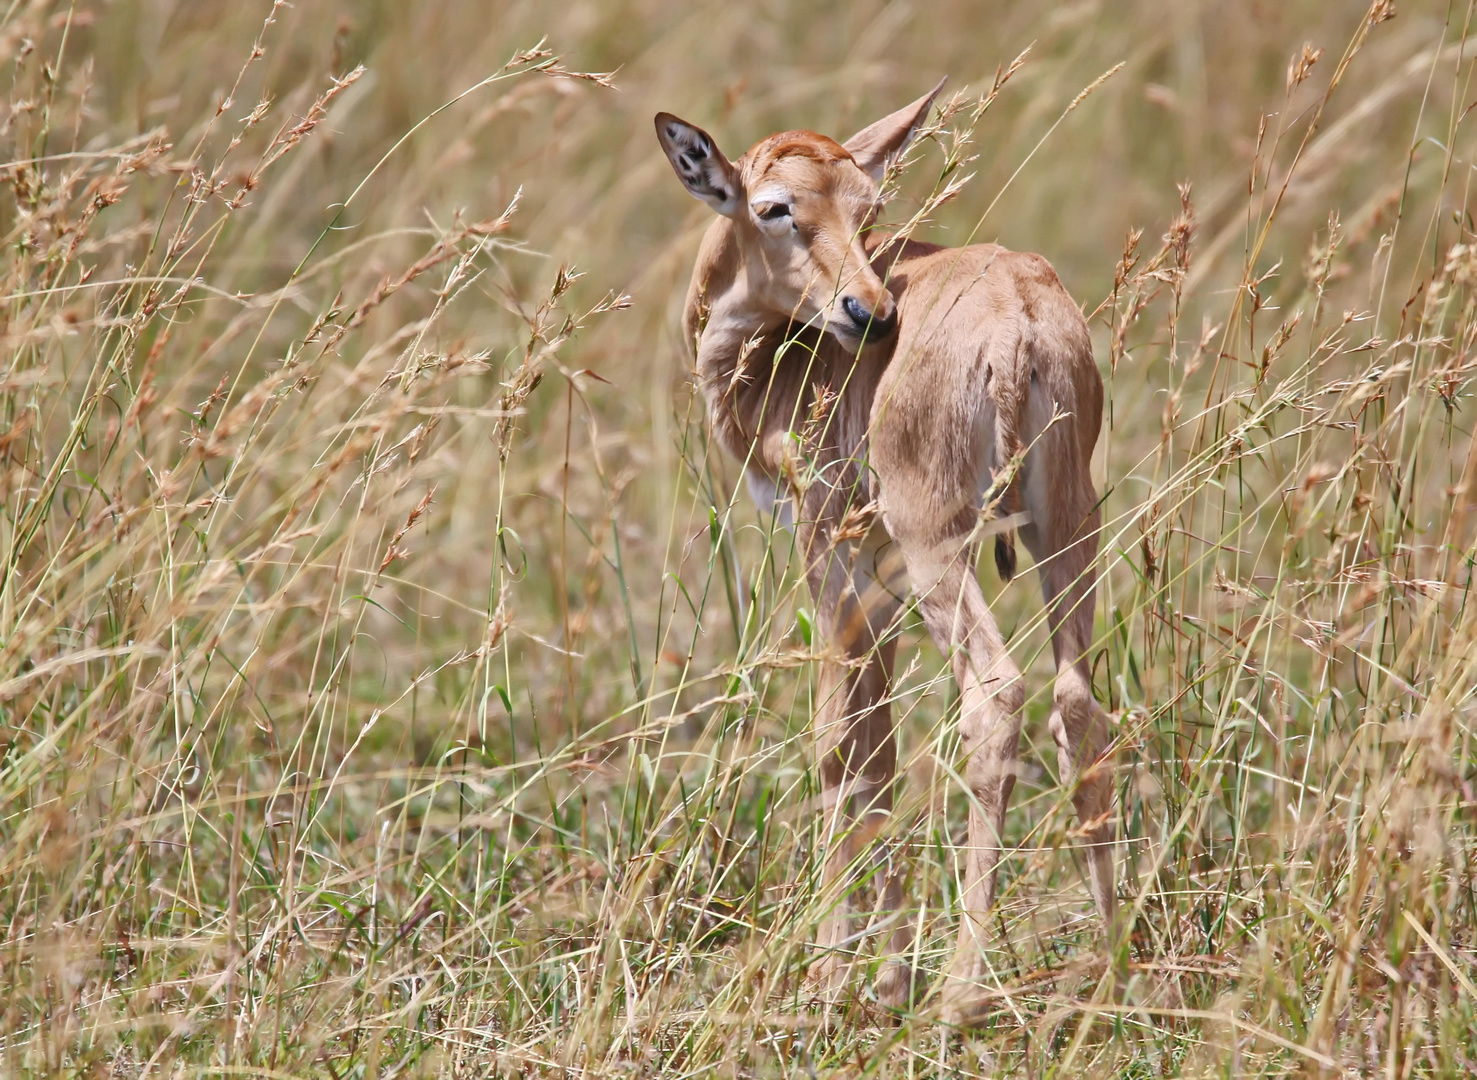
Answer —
392 682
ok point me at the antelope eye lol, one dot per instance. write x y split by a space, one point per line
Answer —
773 212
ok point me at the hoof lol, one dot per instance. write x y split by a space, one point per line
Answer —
827 979
899 986
965 1005
965 999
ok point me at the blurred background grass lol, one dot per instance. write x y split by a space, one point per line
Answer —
304 774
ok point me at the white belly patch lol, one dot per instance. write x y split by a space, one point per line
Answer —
768 499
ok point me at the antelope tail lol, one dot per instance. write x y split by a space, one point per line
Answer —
1009 381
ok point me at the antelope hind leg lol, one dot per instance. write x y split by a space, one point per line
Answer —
991 697
1078 725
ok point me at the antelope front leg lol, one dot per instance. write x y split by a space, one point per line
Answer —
858 759
857 603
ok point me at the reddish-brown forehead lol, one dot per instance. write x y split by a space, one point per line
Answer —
802 144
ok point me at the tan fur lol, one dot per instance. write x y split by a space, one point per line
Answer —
988 348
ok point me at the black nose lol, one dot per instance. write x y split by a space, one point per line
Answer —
868 322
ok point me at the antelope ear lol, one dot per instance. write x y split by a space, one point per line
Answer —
878 145
699 164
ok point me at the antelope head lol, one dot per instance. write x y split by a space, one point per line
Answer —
800 204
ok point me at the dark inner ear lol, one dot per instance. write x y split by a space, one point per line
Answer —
696 150
701 167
